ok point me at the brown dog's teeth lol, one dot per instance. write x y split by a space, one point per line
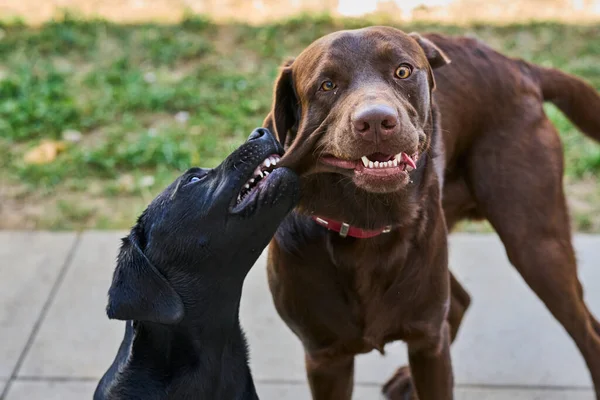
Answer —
393 163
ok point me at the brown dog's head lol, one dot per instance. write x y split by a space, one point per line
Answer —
358 104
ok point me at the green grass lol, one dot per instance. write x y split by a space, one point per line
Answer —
125 88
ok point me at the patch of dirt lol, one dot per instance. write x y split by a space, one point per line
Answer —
64 209
584 204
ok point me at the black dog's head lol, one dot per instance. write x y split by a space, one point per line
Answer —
206 229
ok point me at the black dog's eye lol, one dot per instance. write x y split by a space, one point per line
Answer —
327 86
403 71
194 179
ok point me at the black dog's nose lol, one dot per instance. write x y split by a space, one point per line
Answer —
258 133
375 120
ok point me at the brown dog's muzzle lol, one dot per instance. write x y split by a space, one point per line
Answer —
375 122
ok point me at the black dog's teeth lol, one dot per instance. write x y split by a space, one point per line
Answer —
261 172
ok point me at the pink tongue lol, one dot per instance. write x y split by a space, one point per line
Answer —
380 157
408 161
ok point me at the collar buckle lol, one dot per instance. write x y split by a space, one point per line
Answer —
344 229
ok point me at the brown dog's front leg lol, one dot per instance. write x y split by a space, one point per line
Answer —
431 367
330 379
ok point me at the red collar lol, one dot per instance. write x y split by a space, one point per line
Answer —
345 229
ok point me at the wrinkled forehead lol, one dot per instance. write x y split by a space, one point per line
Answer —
358 49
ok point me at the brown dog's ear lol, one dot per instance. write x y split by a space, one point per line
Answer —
283 115
139 291
436 57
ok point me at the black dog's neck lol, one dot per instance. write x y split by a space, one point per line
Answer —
208 340
190 341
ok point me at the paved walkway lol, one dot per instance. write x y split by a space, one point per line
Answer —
55 341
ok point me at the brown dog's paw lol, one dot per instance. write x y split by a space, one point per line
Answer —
400 386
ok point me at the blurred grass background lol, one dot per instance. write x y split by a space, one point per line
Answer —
117 111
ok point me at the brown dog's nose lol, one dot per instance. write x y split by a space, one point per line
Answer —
373 120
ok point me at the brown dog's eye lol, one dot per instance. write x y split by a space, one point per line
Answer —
403 71
327 86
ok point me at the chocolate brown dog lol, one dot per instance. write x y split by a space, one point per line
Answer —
363 261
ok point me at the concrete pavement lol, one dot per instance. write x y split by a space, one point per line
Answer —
56 342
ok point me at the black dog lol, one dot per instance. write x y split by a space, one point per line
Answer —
179 278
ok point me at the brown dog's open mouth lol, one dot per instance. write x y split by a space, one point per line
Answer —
260 174
377 163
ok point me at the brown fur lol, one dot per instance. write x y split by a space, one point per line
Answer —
495 156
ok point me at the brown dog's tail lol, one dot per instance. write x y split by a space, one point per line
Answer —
578 100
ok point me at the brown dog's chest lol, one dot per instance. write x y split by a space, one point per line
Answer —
384 291
345 296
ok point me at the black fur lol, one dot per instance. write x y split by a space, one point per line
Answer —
179 278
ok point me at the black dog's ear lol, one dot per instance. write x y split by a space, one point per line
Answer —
283 115
436 57
139 291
